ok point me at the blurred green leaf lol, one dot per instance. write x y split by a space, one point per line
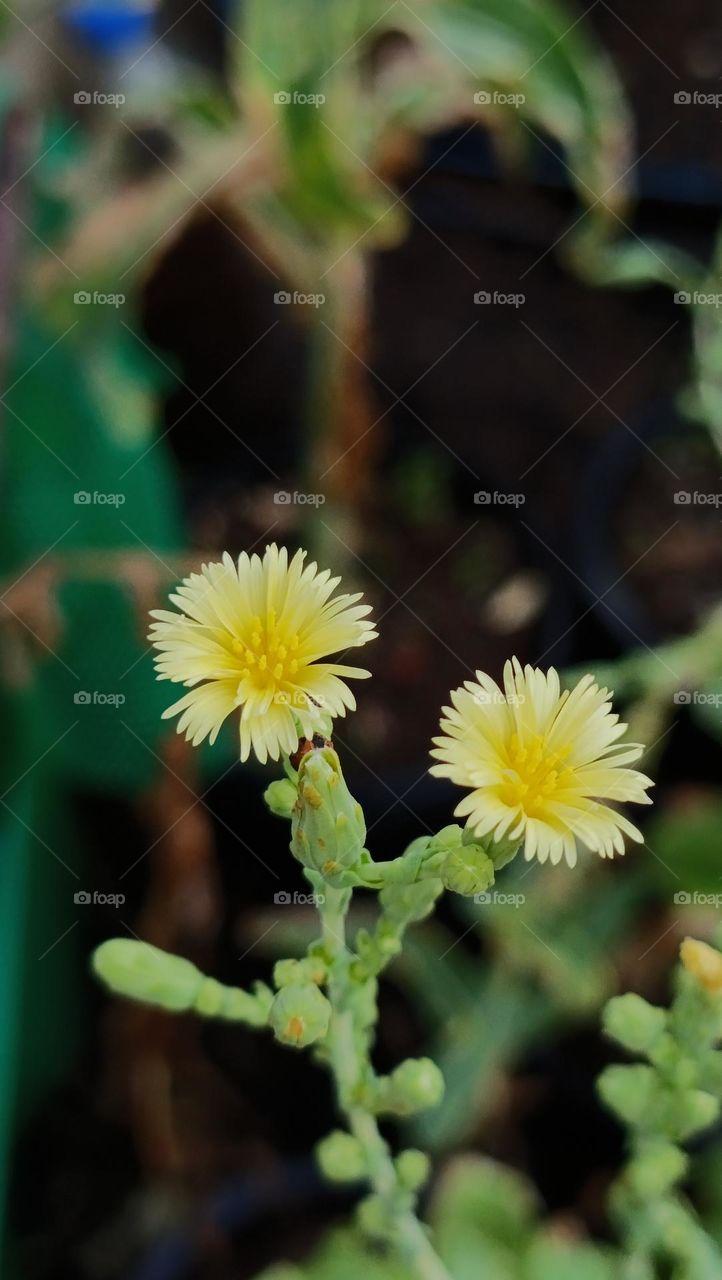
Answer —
482 1215
687 848
553 1259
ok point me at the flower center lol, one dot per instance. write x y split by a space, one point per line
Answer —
268 653
534 774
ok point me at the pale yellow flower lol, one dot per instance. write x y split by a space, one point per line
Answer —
249 637
540 763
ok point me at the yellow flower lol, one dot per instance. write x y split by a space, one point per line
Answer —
704 962
539 762
249 636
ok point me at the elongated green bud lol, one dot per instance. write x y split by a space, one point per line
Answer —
341 1157
281 796
142 972
300 1015
327 828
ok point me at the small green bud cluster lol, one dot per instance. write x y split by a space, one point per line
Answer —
676 1093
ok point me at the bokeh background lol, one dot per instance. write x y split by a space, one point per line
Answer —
433 289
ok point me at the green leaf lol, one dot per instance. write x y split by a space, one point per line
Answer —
480 1200
551 1259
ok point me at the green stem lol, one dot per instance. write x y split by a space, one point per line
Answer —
350 1066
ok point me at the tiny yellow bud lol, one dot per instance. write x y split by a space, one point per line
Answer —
704 963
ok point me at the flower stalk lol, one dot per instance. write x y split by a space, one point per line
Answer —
389 1212
247 638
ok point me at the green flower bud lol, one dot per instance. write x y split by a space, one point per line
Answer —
409 903
375 1217
629 1091
300 1015
288 973
341 1157
281 797
412 1168
142 972
695 1111
327 828
633 1022
414 1085
656 1169
468 870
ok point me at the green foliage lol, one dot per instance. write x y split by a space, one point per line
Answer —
664 1103
547 942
